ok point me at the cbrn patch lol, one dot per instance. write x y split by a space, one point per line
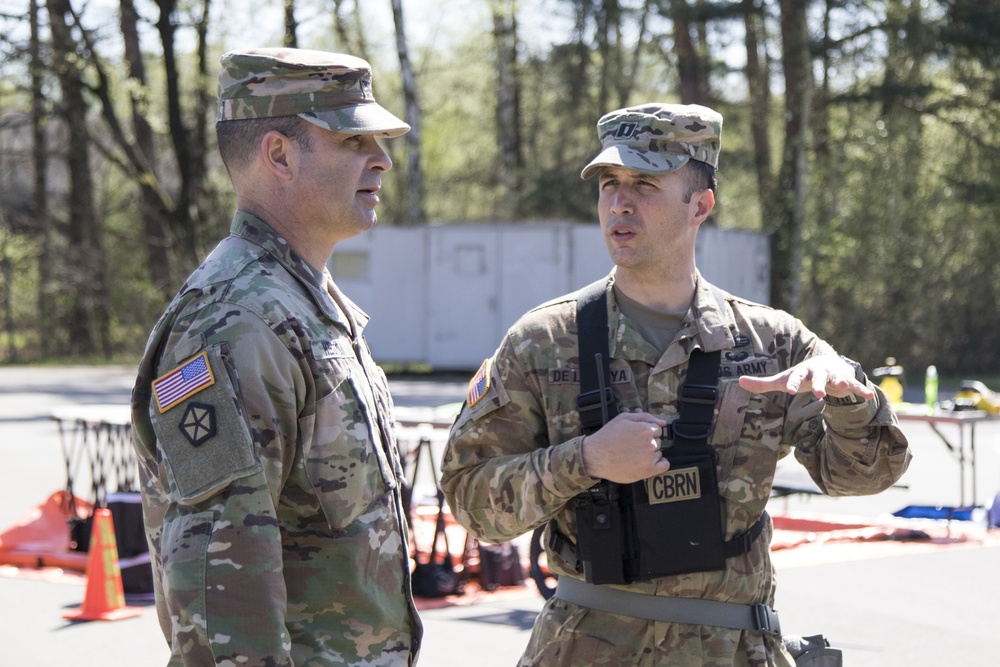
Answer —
674 485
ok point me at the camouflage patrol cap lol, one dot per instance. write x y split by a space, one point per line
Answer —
657 138
331 90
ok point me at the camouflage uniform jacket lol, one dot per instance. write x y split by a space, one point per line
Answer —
514 461
272 492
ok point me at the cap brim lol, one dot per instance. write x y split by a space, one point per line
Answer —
645 161
360 119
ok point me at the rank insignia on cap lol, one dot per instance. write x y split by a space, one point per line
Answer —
479 384
198 423
183 382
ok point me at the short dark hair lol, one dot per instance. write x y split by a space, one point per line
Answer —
238 139
700 176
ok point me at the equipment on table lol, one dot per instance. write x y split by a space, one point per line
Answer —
892 381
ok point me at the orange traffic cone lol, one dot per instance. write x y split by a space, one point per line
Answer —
104 599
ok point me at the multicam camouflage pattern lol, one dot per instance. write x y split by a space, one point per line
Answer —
331 90
514 462
279 540
657 138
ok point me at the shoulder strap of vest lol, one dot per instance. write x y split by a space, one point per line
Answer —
698 393
697 396
596 402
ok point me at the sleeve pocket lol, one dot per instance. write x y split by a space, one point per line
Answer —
204 439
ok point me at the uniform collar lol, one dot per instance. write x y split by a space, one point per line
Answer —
711 317
319 284
709 325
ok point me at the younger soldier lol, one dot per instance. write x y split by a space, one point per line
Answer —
652 464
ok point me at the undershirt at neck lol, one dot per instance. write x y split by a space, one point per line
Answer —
657 328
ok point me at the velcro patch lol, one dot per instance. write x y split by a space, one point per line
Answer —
332 349
479 384
572 376
206 443
183 382
674 485
737 365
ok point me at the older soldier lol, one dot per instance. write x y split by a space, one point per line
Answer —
642 418
271 478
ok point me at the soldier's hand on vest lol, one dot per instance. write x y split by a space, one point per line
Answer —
626 449
823 375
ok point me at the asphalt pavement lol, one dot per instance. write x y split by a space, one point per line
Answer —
884 603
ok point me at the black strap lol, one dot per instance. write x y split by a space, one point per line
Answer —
741 542
592 335
697 396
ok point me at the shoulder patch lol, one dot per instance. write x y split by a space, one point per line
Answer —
183 382
479 384
198 423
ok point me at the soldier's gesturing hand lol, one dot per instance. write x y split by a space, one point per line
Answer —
626 449
823 375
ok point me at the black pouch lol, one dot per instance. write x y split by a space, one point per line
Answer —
678 517
603 526
813 651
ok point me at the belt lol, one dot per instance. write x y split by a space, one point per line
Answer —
671 610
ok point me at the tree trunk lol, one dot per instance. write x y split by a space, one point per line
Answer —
340 28
291 38
690 68
508 109
350 34
417 215
902 237
204 117
609 47
183 221
758 84
154 214
626 82
6 266
85 277
786 239
40 164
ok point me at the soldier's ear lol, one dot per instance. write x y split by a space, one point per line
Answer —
276 153
704 201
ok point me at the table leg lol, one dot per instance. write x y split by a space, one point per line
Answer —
960 454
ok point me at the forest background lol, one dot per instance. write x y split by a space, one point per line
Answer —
862 135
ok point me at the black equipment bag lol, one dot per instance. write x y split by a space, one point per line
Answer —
436 577
499 565
130 535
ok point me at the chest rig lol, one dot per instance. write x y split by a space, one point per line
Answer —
668 524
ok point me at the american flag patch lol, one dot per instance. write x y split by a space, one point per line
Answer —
183 382
480 383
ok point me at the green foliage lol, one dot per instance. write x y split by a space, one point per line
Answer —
900 243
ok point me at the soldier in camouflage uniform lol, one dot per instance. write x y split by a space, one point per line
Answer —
516 458
270 473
